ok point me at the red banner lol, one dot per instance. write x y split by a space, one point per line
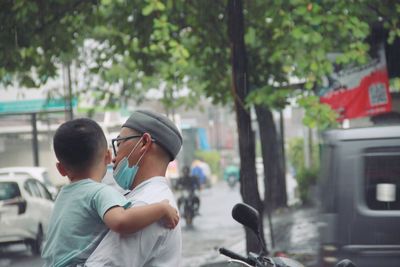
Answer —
359 92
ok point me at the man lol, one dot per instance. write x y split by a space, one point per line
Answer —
189 183
146 144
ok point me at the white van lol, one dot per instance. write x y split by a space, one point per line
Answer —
360 197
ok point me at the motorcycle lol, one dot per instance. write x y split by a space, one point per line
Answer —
232 180
231 175
188 205
249 217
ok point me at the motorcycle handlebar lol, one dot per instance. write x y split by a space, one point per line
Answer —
235 256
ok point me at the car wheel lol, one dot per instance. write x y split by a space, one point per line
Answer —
36 245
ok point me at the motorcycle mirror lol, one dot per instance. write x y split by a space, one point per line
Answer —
247 216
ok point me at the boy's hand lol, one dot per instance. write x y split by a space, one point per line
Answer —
171 217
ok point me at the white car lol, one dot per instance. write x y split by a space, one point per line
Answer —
39 173
25 208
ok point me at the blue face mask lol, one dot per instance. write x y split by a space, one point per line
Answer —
125 175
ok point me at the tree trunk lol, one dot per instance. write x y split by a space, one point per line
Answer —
274 173
248 175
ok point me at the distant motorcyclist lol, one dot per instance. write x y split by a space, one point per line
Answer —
232 175
189 183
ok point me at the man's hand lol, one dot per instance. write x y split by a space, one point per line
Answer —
171 217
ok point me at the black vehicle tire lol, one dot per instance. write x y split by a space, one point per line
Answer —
188 218
189 214
37 244
232 181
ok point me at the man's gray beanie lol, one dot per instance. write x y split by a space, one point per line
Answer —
162 129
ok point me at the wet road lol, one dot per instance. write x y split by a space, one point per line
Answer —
296 234
213 228
18 256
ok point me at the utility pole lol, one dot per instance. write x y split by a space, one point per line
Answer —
68 91
35 143
70 98
282 132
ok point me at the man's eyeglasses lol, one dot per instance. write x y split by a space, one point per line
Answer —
117 141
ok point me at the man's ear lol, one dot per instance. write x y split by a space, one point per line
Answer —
147 141
108 157
61 169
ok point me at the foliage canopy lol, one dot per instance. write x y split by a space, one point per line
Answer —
142 44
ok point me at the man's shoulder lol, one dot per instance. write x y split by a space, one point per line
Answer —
154 183
153 190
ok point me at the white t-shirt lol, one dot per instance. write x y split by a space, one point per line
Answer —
153 246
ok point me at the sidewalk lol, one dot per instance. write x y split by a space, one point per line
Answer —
295 233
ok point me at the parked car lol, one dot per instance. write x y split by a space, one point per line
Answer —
40 173
360 196
25 208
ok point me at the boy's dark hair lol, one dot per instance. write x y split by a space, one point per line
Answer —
77 143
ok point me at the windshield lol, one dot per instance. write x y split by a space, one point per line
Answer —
382 178
9 190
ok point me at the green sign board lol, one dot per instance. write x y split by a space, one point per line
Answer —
36 105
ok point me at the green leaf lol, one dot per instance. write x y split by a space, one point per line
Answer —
250 36
28 82
297 33
147 10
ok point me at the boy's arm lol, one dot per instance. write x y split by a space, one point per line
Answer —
133 219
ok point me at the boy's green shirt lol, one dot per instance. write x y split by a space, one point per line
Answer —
76 225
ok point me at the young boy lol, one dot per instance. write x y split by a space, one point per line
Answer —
85 209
